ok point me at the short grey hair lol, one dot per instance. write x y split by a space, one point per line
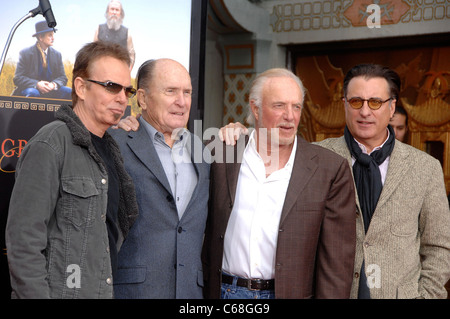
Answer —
258 85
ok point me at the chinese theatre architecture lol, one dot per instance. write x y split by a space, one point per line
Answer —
320 41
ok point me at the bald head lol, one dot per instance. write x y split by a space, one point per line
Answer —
164 94
148 69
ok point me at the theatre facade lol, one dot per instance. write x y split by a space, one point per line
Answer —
320 40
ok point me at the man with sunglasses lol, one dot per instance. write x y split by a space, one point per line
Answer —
403 227
403 217
73 203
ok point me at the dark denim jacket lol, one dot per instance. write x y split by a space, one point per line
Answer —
56 236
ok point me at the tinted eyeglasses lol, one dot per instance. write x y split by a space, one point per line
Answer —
374 104
116 88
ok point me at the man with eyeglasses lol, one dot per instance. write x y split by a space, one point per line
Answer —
73 203
403 217
161 257
403 230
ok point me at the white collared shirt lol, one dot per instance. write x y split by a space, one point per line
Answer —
251 237
383 166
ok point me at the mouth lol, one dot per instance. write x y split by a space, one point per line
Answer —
177 113
286 127
364 123
117 112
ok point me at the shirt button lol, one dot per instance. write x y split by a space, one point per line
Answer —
109 281
103 181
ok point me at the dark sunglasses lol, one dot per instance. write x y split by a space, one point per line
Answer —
374 104
116 88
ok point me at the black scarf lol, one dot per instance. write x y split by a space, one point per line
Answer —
367 173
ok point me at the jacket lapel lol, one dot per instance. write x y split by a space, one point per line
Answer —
141 144
302 171
232 169
200 165
398 165
340 148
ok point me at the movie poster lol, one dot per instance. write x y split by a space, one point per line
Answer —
150 29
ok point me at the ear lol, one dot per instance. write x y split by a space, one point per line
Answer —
392 109
80 88
140 96
255 110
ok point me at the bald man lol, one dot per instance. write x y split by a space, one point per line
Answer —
161 258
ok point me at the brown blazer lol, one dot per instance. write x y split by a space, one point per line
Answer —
316 241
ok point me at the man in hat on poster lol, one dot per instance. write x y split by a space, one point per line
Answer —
40 71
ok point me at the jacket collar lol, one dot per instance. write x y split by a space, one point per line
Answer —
302 171
80 134
398 165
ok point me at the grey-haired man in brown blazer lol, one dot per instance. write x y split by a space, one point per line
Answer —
281 220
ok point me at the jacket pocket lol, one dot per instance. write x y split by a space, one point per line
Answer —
409 290
135 275
406 229
77 198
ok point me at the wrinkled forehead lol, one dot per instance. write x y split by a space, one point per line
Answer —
171 74
46 34
110 68
115 5
282 89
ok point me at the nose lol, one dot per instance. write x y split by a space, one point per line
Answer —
365 110
289 113
181 99
121 97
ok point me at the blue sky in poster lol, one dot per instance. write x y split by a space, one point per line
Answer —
159 28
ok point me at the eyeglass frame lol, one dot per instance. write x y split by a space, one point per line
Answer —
368 102
127 89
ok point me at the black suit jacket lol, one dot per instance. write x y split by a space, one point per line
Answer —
27 69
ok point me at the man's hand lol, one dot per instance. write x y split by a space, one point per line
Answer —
231 133
127 124
45 87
